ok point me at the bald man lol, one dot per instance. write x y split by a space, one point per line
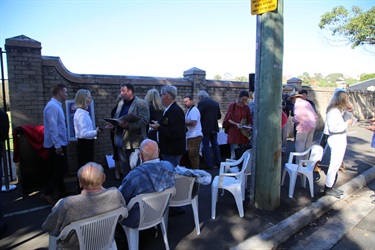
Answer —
153 175
72 208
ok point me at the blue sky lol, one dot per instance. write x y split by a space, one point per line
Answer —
165 38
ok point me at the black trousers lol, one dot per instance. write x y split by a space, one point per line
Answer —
59 167
85 151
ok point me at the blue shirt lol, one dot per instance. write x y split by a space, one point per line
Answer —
151 176
55 133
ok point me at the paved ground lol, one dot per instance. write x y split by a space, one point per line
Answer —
24 215
350 224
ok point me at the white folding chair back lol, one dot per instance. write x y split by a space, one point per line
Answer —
233 182
95 232
184 190
304 168
237 169
151 208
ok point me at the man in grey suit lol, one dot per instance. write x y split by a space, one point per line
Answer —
129 135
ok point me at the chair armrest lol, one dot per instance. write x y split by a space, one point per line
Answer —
229 174
292 154
224 166
300 164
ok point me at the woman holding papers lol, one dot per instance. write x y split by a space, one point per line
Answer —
239 118
83 127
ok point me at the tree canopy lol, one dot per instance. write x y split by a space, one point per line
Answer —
355 26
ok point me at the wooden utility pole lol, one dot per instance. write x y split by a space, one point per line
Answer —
268 89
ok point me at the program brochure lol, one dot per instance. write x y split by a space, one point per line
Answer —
126 118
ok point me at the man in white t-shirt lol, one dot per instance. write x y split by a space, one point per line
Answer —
194 134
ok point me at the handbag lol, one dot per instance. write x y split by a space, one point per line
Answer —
226 124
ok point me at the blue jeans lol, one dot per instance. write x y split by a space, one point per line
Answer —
206 140
174 159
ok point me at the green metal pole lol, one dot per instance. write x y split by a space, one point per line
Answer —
268 88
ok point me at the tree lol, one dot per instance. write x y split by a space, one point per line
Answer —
241 79
357 27
334 77
217 77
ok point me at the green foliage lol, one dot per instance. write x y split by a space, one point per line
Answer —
357 27
318 80
217 77
365 77
335 77
241 79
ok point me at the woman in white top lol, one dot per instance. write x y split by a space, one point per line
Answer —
337 139
83 127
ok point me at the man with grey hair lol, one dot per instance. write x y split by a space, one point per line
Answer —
171 127
153 175
210 114
93 200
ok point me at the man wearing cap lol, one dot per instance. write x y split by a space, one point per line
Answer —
306 118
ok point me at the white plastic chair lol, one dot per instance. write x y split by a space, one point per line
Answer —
151 207
304 167
184 191
233 182
95 232
236 169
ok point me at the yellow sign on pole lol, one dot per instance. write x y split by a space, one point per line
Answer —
262 6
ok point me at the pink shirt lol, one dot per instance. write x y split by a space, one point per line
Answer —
304 116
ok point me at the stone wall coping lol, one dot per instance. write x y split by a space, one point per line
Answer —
23 41
52 61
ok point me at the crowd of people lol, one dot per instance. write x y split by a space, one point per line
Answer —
157 138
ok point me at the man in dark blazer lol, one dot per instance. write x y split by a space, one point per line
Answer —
210 114
171 127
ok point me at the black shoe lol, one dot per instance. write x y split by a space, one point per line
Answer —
316 176
333 192
339 190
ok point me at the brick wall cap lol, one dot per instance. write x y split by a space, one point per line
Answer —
194 71
23 41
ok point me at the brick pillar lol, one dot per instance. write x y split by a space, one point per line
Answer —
24 62
296 82
197 77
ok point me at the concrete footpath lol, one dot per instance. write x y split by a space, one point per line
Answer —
258 229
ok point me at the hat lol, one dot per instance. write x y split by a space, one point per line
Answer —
295 95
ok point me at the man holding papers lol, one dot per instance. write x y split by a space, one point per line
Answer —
132 115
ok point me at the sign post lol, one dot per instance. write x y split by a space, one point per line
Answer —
262 6
268 87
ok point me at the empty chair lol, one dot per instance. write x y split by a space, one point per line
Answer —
233 182
237 169
304 167
184 196
151 208
95 232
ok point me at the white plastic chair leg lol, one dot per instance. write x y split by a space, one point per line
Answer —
194 204
239 203
292 183
164 232
310 178
214 190
132 235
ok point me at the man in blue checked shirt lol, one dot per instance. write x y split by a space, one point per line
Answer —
153 175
